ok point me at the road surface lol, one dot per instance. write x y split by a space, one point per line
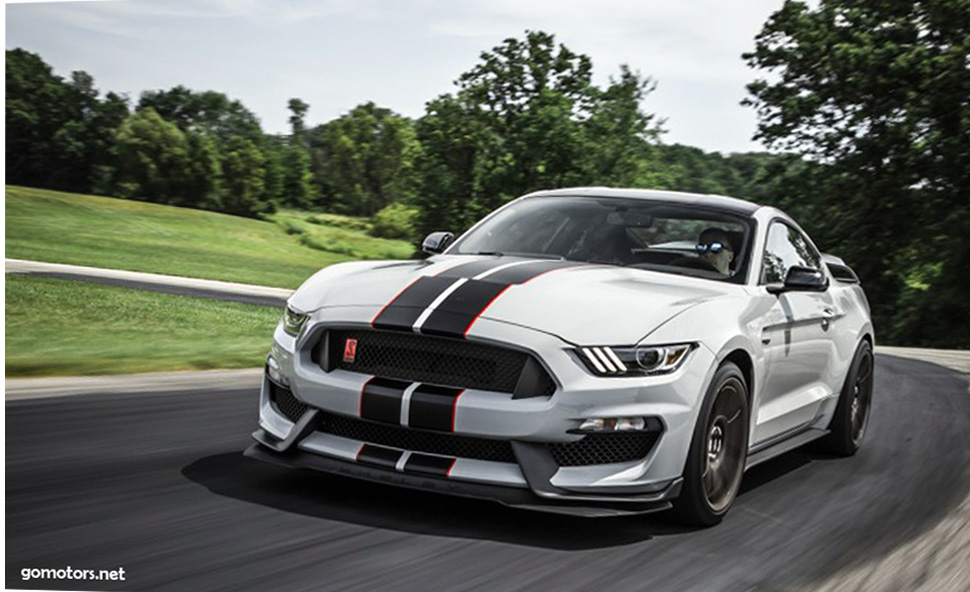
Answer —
156 483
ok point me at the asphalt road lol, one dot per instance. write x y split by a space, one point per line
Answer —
156 484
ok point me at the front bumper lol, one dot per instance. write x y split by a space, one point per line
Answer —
532 477
572 504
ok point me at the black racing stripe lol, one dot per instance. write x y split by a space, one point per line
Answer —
433 407
518 274
380 400
425 464
453 316
401 313
473 268
379 456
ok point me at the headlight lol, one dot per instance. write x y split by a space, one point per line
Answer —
641 360
293 321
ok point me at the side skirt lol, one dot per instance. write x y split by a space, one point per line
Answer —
768 450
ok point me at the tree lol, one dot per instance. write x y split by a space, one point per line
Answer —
621 139
365 160
528 117
155 158
876 94
35 111
59 133
244 178
294 161
298 110
206 112
296 178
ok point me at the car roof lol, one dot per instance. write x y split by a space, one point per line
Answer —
721 202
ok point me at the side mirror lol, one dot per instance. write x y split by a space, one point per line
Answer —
436 242
801 279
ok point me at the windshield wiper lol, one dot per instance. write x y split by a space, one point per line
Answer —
512 254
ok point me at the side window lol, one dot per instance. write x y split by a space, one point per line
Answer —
786 247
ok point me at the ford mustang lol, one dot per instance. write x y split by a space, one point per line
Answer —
592 351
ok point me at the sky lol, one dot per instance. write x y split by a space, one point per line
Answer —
336 54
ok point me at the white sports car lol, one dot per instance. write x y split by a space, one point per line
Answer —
593 351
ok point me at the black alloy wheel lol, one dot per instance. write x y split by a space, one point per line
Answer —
851 419
715 464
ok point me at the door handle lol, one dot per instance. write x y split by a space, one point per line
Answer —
827 315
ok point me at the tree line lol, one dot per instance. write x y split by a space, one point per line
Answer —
527 116
866 112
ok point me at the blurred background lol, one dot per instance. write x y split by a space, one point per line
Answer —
259 141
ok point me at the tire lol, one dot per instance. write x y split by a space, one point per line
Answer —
718 449
848 428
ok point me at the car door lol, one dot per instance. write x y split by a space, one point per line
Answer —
798 338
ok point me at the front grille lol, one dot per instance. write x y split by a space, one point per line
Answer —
417 440
438 360
288 405
601 449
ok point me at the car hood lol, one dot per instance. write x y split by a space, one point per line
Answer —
584 304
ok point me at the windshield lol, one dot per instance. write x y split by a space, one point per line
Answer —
671 238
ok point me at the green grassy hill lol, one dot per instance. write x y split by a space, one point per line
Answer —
122 234
111 330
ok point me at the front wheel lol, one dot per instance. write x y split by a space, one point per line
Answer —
718 450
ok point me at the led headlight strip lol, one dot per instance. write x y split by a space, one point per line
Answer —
294 321
634 361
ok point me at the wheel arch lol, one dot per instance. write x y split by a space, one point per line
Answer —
742 359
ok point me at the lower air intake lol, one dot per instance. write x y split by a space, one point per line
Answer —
603 449
288 405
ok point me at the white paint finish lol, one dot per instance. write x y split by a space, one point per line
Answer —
399 467
481 471
335 446
406 402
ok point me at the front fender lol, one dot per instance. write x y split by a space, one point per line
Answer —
313 292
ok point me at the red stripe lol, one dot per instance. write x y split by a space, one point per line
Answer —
448 473
490 302
396 296
454 408
359 450
360 401
481 312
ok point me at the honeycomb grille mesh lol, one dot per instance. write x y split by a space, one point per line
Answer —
417 440
434 360
601 449
288 405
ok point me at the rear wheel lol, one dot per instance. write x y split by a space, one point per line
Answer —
718 451
848 427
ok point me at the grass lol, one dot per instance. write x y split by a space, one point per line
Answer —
341 235
64 327
122 234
